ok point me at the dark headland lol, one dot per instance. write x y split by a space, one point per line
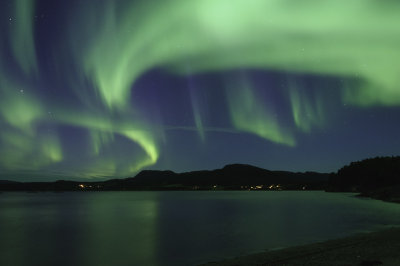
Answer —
377 178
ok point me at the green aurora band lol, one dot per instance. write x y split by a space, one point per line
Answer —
113 43
21 36
321 37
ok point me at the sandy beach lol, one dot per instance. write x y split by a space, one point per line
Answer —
376 248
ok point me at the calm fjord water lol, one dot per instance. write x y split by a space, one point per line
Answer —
174 228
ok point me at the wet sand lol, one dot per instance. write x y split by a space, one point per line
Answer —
376 248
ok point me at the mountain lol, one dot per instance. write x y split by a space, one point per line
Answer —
231 177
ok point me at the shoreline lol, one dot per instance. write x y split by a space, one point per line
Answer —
373 248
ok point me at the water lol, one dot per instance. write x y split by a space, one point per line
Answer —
174 228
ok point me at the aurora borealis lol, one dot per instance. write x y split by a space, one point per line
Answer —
106 88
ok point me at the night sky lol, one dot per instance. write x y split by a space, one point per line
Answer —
102 89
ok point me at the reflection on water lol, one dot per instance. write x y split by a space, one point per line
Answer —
174 228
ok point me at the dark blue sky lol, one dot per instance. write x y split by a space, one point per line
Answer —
103 89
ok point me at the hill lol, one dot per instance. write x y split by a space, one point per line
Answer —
231 177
